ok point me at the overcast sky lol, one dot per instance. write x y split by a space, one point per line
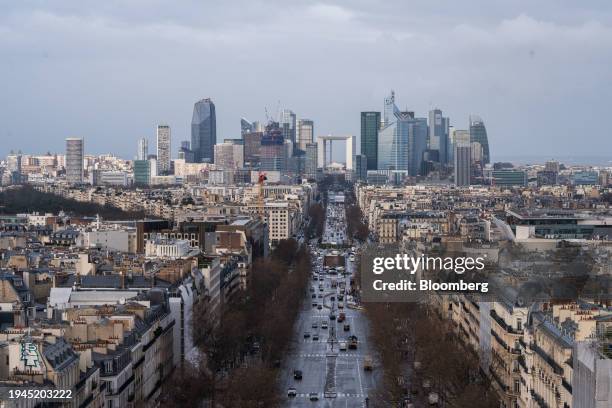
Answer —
537 72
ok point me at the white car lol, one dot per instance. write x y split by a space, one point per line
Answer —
292 392
342 345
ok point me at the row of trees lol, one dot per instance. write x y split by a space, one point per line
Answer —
28 199
243 348
420 353
316 215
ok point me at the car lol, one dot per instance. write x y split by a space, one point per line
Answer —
314 296
332 317
306 335
312 289
342 345
314 304
332 298
315 337
297 374
315 325
313 396
340 305
292 392
368 365
324 325
319 307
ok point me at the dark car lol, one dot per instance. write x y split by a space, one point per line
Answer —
297 374
306 335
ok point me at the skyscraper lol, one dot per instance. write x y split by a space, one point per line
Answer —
246 126
305 133
390 109
143 149
463 158
478 133
311 160
74 160
438 134
229 155
287 124
252 149
164 142
273 152
361 171
370 124
203 131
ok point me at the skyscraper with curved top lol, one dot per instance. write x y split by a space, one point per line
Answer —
203 131
478 133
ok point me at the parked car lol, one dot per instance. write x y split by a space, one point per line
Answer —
297 374
292 392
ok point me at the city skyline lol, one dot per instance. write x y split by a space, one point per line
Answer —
509 67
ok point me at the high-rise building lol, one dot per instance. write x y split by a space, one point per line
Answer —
361 167
552 165
246 126
477 152
252 149
74 160
478 133
463 159
143 149
229 155
273 150
370 125
142 172
438 134
164 142
287 124
185 152
305 133
387 135
203 131
311 164
410 143
402 140
390 110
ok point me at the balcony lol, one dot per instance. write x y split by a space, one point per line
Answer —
503 324
556 367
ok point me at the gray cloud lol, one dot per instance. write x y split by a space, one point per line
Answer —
537 72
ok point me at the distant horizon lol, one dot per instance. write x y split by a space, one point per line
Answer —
529 159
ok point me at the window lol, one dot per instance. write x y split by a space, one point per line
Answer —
517 387
519 324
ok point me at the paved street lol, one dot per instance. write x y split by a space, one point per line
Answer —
337 377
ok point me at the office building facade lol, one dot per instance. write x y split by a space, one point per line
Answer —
204 131
74 160
478 133
287 124
164 143
143 149
463 158
439 134
305 133
370 125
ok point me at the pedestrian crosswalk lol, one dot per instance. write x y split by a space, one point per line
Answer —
339 355
338 395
